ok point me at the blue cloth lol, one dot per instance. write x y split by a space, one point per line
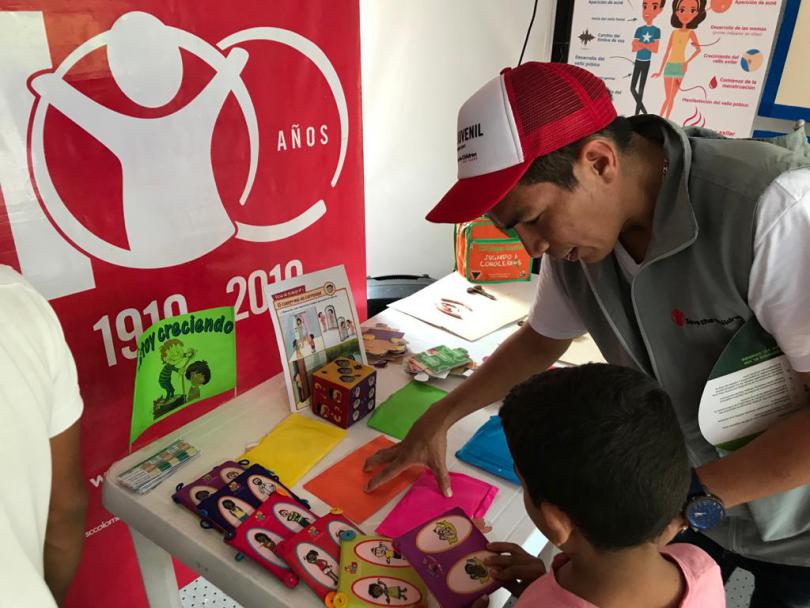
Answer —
488 450
646 34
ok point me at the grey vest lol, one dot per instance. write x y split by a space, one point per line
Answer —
690 297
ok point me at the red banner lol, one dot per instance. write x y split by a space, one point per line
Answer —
161 157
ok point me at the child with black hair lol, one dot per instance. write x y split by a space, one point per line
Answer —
605 475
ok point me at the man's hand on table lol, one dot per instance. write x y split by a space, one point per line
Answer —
425 444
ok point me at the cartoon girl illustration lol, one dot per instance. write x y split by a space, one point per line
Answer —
234 510
342 329
322 564
322 320
296 344
350 328
686 16
311 342
379 589
265 541
446 532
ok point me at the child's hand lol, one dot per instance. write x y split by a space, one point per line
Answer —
515 568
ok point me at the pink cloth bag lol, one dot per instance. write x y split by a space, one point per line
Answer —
424 501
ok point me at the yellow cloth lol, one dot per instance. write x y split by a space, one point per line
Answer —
677 54
295 446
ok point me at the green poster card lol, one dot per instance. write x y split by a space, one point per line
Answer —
181 361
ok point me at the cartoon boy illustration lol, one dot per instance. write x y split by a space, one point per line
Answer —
446 532
294 516
200 495
322 319
296 344
645 43
476 570
197 373
175 358
378 589
385 552
234 510
322 564
265 489
311 342
265 541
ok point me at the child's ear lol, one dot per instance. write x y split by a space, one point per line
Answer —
558 525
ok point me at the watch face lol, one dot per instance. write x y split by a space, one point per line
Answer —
705 513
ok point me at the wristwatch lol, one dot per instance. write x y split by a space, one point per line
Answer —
703 510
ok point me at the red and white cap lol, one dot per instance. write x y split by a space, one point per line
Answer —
524 113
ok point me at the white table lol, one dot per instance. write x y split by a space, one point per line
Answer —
160 528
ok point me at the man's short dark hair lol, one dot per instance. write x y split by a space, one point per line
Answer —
601 443
558 167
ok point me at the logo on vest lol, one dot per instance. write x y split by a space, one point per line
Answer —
680 319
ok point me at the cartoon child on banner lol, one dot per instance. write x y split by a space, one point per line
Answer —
645 43
175 359
197 373
686 16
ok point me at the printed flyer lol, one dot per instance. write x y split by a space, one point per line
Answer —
316 322
750 388
698 63
183 360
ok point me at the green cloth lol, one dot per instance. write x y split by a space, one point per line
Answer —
396 415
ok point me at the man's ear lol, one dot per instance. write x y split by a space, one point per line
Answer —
599 157
559 526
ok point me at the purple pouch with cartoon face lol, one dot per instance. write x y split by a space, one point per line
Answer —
190 495
229 506
448 552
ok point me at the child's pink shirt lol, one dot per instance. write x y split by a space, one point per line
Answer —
704 585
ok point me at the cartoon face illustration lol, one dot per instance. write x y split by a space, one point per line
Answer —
443 534
261 487
336 527
386 591
687 11
292 517
650 9
446 532
469 574
173 352
200 493
228 474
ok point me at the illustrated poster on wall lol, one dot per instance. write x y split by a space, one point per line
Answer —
696 62
161 157
316 322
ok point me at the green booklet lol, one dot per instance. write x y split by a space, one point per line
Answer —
181 361
751 387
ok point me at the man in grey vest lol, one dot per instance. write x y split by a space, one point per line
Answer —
661 243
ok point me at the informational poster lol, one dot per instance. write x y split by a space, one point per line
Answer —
182 361
751 387
316 322
158 158
696 62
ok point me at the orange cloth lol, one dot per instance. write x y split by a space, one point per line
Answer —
341 485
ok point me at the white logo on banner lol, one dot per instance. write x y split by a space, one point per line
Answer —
167 171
